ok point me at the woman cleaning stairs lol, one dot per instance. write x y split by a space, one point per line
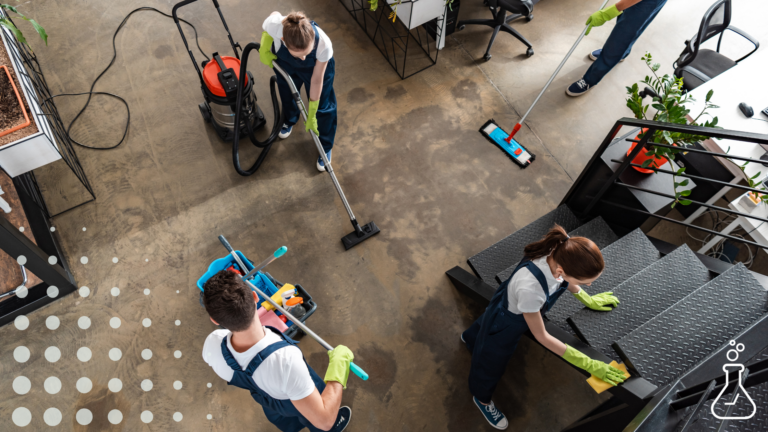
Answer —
550 266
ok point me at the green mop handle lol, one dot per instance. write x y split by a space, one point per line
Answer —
353 367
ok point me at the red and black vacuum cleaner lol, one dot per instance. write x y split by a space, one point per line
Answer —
219 82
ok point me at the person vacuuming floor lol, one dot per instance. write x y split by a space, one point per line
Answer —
305 52
268 364
551 265
634 16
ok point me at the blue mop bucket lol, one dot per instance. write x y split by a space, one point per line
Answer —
259 279
264 282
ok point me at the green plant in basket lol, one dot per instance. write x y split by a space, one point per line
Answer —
5 22
669 105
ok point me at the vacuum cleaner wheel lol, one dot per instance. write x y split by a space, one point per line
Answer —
205 111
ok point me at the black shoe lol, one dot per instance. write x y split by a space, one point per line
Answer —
342 419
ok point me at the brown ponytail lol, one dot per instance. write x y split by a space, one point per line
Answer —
298 33
579 257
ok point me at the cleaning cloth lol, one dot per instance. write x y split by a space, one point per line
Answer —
599 385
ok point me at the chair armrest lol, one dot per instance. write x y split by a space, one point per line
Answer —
746 36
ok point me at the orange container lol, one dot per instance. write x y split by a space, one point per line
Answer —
641 157
21 104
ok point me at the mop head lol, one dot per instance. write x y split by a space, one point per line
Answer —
513 149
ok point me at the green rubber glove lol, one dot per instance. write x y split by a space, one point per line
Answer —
338 367
265 49
598 302
311 123
601 17
604 371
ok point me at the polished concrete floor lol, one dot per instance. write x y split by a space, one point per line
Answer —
409 157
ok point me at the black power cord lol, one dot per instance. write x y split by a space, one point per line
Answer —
90 93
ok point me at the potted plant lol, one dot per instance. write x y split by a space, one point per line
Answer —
13 114
668 100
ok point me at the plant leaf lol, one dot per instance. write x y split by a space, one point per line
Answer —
685 202
709 95
684 182
9 25
685 192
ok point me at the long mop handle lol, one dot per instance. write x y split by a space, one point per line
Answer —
557 71
352 367
328 167
277 254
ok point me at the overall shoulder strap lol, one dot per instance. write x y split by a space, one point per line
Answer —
539 275
231 362
263 354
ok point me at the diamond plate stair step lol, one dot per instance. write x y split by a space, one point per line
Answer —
596 230
680 337
509 250
643 296
759 423
623 259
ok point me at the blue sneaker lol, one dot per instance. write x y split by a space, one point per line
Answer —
342 419
578 88
320 164
285 132
596 53
494 416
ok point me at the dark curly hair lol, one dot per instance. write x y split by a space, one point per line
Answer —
229 301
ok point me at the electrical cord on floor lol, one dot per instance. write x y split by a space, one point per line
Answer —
90 93
718 251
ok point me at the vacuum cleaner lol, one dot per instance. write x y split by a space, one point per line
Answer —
219 83
230 106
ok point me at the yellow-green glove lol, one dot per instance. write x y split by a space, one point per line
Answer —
338 367
265 49
311 123
601 17
604 371
598 302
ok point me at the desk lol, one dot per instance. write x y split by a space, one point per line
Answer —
744 82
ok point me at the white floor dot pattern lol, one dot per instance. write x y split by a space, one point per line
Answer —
52 354
84 322
52 322
115 354
84 417
84 385
84 354
52 417
52 385
84 291
21 385
21 416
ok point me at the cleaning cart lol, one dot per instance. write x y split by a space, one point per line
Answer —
267 284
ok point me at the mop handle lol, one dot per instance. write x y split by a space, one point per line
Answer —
353 367
278 253
557 71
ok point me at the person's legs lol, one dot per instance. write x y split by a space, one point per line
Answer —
470 335
289 108
285 424
629 26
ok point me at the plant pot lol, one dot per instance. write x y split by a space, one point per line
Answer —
26 122
642 157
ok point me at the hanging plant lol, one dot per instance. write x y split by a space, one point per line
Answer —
5 22
668 99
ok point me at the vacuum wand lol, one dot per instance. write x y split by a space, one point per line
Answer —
352 367
557 71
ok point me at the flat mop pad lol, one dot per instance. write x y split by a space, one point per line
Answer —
513 149
599 385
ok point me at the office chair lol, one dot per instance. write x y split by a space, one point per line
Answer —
499 9
697 66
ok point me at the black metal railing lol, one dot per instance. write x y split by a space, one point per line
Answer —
33 81
599 189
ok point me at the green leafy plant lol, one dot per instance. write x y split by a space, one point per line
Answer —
5 22
669 104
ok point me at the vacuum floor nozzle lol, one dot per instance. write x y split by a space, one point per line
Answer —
353 239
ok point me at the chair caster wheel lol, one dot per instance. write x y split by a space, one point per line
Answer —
529 18
461 27
529 52
206 113
487 57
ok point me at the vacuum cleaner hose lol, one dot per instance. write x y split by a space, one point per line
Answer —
266 144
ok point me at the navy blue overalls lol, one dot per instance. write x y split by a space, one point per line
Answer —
301 74
282 413
494 336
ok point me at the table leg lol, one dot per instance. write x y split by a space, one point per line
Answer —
724 190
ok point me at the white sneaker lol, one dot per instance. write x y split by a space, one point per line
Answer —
285 131
320 164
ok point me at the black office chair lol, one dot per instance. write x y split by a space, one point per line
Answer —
500 21
697 66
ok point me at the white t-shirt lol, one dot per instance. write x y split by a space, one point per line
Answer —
524 292
274 26
283 375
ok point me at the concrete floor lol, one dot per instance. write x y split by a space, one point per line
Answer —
408 156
